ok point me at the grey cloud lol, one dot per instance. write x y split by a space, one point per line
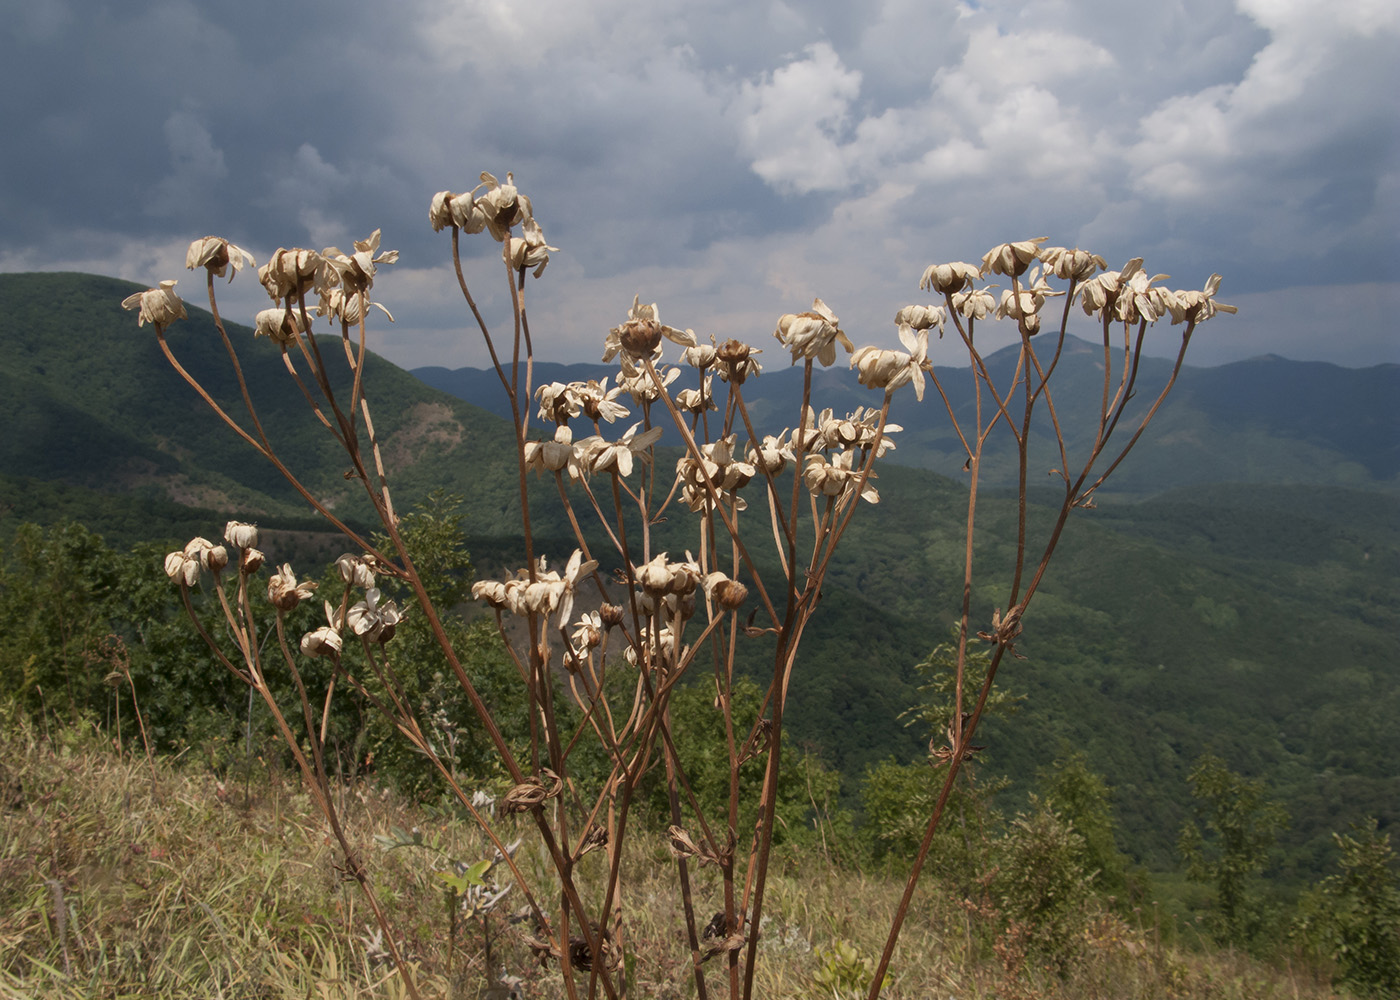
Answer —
273 124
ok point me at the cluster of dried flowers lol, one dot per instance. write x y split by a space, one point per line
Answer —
663 611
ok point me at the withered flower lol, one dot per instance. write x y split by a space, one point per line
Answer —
1199 306
217 255
244 536
697 401
888 370
728 594
355 571
947 279
1077 264
532 792
284 592
975 303
375 621
639 338
813 334
922 317
158 306
1011 259
734 360
552 456
618 455
290 272
279 324
528 250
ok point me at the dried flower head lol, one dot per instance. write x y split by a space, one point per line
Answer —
946 279
290 272
597 401
1199 306
284 592
244 536
347 306
529 249
639 338
618 455
728 594
159 306
1076 264
922 317
975 303
697 401
812 334
502 206
279 324
355 571
1011 259
217 255
888 370
735 361
372 619
553 456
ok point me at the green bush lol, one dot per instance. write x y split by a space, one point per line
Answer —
1352 917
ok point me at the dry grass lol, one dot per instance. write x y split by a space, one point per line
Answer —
117 883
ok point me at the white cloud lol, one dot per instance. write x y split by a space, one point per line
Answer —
792 122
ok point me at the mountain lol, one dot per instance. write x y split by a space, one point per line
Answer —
1268 420
93 409
1241 598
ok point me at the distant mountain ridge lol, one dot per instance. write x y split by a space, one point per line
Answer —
1263 420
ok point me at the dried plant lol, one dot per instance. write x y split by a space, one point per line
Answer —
601 637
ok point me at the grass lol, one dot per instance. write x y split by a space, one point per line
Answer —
122 878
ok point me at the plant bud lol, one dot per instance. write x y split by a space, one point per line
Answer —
611 615
731 594
252 561
215 558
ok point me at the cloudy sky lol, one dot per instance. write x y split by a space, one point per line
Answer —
729 159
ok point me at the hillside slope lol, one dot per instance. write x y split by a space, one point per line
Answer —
1259 621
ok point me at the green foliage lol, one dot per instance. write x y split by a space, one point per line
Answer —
843 973
1082 798
1040 888
698 730
1241 826
436 542
54 586
897 801
1353 917
938 693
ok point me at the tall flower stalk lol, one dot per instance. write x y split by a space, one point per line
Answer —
601 637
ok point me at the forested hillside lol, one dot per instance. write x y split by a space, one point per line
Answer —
1238 597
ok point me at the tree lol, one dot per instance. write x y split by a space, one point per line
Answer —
1081 797
1353 916
1241 825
